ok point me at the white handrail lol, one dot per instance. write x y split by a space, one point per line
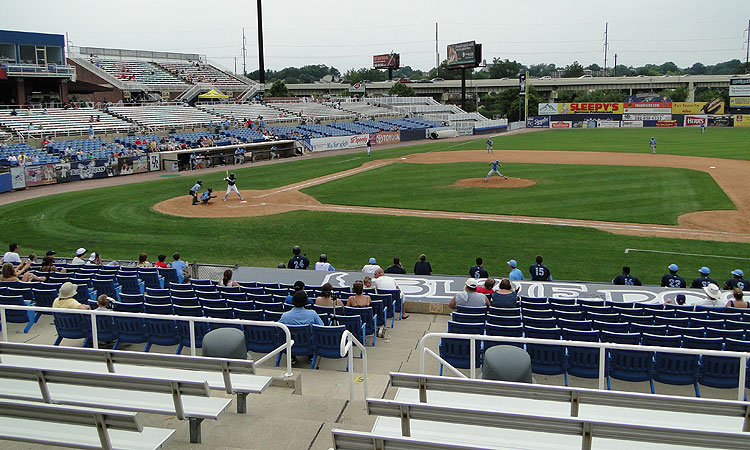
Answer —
602 346
191 320
345 348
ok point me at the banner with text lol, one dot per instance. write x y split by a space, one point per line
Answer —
632 124
561 124
713 107
590 108
646 117
695 121
742 120
739 87
647 108
666 123
739 102
339 142
548 109
385 137
608 124
40 175
537 122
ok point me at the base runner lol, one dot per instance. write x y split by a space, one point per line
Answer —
231 186
495 164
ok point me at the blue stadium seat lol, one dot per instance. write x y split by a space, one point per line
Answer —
303 342
582 362
672 368
545 359
327 343
503 330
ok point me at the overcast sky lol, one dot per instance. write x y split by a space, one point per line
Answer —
346 34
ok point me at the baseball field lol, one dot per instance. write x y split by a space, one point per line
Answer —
589 201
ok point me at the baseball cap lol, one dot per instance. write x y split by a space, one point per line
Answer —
512 263
471 283
738 272
372 260
299 285
673 267
680 299
704 270
80 251
51 252
712 291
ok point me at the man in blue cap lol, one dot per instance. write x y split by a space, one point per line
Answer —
515 273
737 281
671 279
370 267
703 280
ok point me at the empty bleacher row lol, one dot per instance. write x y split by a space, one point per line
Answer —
136 71
312 110
245 111
365 109
61 121
164 116
197 72
599 321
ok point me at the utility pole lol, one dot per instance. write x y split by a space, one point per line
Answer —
615 64
244 53
261 64
606 46
437 52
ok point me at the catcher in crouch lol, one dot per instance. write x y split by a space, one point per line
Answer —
231 186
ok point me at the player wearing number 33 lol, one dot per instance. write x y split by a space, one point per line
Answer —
231 186
495 164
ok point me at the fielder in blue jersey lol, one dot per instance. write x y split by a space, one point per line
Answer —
652 143
495 164
489 145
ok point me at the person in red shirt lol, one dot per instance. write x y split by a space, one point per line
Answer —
488 288
160 263
137 142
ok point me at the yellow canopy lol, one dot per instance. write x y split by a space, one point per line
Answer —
213 93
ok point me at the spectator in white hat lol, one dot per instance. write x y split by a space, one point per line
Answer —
713 296
469 296
78 260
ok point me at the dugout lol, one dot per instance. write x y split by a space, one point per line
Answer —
224 155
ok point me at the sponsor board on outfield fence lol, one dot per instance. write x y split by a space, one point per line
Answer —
548 109
561 124
666 123
62 172
40 175
739 102
339 142
646 117
740 120
632 124
6 182
647 108
463 127
695 121
608 124
154 162
18 177
385 137
537 122
739 87
590 108
712 107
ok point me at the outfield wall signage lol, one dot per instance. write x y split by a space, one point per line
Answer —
715 106
154 162
646 117
385 137
632 124
6 182
739 87
18 177
590 108
647 108
666 123
40 175
608 124
548 109
537 122
339 142
739 102
740 120
561 124
695 121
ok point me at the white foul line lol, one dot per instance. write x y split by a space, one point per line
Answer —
628 250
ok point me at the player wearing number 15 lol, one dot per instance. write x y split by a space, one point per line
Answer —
671 279
539 272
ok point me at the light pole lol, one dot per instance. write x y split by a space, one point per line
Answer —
261 65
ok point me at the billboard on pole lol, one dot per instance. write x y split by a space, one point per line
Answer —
464 54
387 61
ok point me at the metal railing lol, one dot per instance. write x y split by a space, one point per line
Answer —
602 346
345 348
286 346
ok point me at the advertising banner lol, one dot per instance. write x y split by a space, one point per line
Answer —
537 122
6 182
715 106
62 172
40 175
740 120
462 54
339 142
608 124
561 124
646 117
632 124
666 123
357 88
385 137
695 121
154 162
647 108
590 108
387 61
18 180
739 87
548 109
739 102
86 170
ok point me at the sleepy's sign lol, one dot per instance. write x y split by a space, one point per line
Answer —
591 108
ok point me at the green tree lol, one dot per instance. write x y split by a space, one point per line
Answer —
359 75
669 68
574 70
706 94
542 70
677 95
279 89
741 69
623 70
505 104
505 68
402 90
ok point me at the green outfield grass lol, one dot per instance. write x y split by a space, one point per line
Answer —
118 222
621 194
716 142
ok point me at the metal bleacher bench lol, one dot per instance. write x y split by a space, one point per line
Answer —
183 399
436 412
68 426
232 376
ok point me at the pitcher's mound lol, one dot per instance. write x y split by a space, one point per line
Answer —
495 182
